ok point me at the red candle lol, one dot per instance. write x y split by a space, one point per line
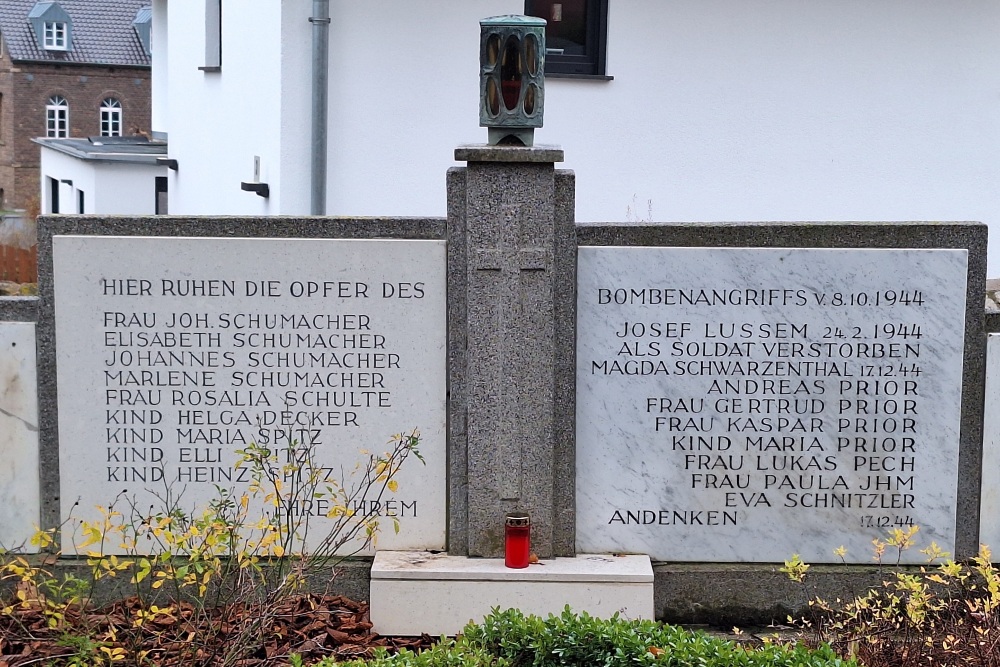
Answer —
517 540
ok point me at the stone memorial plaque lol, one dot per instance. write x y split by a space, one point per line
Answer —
745 404
174 353
19 493
989 514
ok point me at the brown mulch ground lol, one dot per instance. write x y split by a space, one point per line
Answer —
313 626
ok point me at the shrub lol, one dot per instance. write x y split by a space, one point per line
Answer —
943 614
570 640
208 583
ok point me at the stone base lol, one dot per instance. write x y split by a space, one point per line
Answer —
416 592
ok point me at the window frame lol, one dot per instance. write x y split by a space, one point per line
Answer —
213 36
55 35
53 195
57 117
591 65
160 196
111 117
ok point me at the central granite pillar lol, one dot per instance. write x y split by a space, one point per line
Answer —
512 335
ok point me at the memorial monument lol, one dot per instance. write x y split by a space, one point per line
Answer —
675 407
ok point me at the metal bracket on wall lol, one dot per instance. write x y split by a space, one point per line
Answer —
261 189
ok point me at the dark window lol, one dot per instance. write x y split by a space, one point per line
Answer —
160 187
53 195
576 35
80 201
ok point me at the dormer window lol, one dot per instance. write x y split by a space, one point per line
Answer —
55 35
142 23
52 26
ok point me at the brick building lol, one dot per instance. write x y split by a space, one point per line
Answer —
72 68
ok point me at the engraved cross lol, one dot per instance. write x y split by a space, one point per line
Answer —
509 293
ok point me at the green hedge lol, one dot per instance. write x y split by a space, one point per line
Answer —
511 639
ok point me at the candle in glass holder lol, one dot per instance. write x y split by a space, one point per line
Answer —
517 540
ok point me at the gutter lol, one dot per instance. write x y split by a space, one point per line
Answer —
80 63
320 86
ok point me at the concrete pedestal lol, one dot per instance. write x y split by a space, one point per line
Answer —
414 592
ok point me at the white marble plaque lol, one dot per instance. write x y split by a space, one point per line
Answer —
742 405
19 494
173 353
989 511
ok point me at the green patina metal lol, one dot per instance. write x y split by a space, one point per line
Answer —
511 77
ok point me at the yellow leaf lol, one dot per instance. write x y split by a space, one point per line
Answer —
393 485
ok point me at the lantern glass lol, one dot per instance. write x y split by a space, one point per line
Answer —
531 53
492 97
529 100
493 50
510 73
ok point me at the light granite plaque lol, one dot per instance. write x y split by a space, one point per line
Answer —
745 404
174 353
19 493
989 515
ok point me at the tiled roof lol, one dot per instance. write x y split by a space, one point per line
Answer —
102 32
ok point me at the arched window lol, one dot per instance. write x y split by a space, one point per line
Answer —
111 118
57 117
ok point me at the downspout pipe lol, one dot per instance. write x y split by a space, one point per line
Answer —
320 93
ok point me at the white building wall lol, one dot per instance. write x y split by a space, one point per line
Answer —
220 120
404 92
110 188
790 110
296 108
161 63
63 167
719 109
125 189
